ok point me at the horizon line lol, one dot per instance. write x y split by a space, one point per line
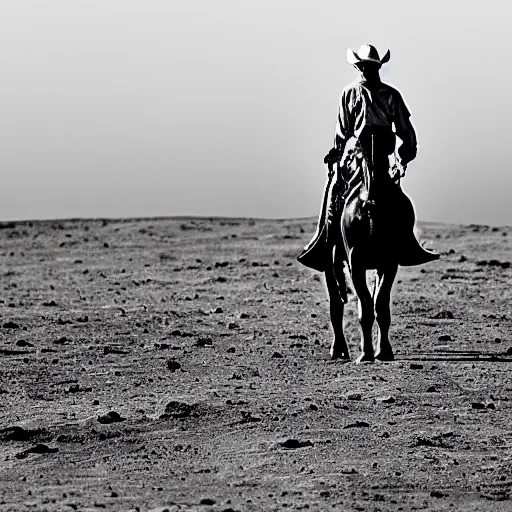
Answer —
5 224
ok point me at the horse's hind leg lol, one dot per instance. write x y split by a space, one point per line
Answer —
384 352
339 348
366 312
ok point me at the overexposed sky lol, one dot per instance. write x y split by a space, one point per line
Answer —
112 108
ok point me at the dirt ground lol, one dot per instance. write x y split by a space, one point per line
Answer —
183 364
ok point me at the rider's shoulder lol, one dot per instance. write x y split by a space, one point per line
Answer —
351 89
355 85
393 90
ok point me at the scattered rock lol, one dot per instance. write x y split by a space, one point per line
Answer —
203 342
233 325
292 444
11 325
298 337
247 417
176 409
75 388
17 433
443 314
494 263
357 424
11 352
217 310
38 448
387 399
110 417
113 350
434 441
173 365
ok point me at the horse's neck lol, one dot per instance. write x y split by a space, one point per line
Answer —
378 190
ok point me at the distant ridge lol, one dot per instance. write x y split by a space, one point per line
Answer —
8 224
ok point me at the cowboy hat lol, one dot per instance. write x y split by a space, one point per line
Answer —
366 53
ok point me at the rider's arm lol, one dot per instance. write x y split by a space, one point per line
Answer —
405 130
341 134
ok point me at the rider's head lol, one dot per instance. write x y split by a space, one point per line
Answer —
368 70
367 60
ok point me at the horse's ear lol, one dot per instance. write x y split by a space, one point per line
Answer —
386 57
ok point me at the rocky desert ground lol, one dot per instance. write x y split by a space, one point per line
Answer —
183 364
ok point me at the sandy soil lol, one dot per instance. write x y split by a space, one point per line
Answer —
182 364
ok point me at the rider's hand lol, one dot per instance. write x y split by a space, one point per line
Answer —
332 157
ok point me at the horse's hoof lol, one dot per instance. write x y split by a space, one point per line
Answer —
363 358
340 356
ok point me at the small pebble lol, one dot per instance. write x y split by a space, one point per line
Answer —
388 400
292 444
110 417
173 365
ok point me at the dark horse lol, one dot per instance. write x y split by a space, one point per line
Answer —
376 226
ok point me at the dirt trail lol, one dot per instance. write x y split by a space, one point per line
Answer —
182 364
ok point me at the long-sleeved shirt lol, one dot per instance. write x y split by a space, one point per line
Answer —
374 104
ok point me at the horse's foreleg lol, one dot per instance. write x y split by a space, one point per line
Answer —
366 312
384 352
339 348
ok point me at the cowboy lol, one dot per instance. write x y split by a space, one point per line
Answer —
367 112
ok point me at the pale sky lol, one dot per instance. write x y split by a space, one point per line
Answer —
114 108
